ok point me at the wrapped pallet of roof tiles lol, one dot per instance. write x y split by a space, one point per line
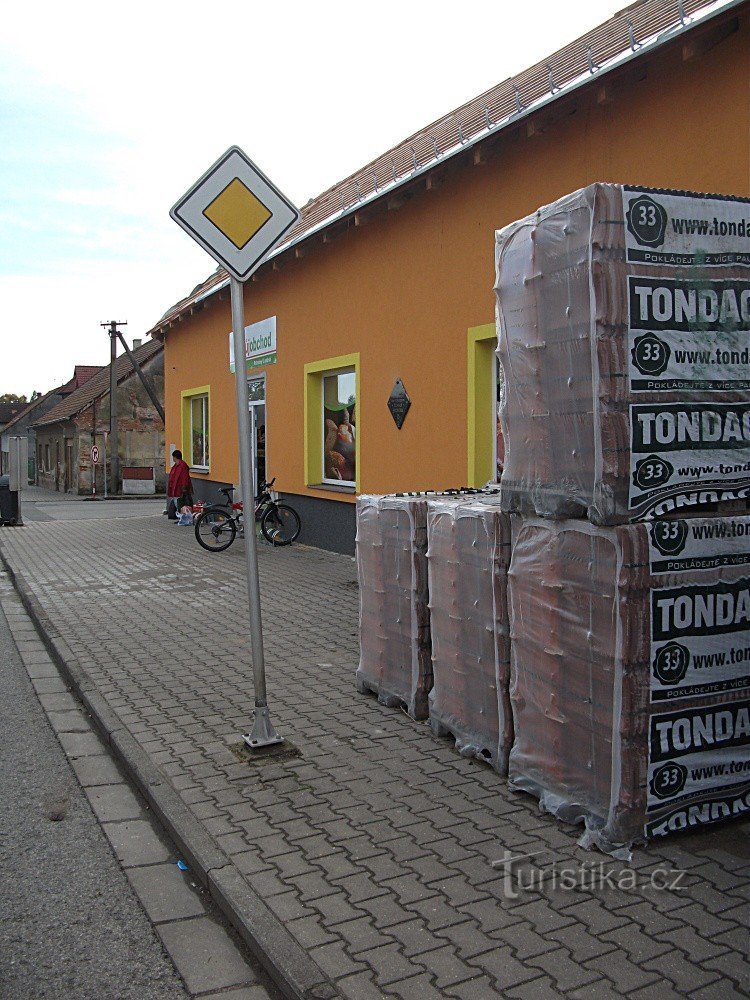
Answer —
468 551
630 673
624 333
394 619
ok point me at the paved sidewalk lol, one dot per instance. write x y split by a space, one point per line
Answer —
373 848
79 850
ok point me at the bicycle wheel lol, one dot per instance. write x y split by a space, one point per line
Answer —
280 524
215 530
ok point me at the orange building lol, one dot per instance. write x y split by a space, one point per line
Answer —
387 281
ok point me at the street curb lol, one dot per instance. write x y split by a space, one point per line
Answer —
292 970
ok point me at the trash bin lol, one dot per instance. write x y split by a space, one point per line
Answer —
8 502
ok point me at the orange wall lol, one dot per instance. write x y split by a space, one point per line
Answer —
403 289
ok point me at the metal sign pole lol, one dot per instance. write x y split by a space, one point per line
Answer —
105 465
238 216
263 732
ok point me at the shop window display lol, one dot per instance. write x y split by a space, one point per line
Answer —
339 428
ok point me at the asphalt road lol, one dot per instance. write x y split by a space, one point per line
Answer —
47 505
70 925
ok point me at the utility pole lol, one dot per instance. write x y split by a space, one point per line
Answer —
114 450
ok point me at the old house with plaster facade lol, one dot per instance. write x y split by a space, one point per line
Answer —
65 435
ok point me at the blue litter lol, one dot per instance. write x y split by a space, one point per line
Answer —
182 866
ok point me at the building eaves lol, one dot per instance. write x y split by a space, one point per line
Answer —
630 35
98 385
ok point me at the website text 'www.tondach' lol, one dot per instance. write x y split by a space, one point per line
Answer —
711 227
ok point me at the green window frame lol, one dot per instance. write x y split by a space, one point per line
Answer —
318 417
196 428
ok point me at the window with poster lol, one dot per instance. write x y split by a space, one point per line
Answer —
339 428
331 424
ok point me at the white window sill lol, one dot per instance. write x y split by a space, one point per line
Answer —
334 487
200 468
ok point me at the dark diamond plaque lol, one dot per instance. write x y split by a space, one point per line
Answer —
399 403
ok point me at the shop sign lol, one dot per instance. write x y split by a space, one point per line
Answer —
260 344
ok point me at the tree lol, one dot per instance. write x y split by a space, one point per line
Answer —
12 397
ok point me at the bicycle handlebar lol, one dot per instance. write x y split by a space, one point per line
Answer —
227 490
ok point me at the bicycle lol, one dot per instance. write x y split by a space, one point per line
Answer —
217 525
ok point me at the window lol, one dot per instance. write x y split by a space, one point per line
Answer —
484 392
339 428
46 458
199 432
499 398
196 405
331 423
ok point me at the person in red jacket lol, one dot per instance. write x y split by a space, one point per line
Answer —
179 486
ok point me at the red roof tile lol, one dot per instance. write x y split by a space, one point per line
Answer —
622 35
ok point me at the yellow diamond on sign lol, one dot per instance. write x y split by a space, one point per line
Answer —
237 213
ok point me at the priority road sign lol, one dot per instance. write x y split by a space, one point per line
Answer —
235 213
94 454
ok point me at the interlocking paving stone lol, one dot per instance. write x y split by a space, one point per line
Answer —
204 954
375 846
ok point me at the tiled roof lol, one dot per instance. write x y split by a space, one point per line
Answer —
28 408
98 385
8 411
629 34
81 374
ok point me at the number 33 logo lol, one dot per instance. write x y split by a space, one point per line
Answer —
647 221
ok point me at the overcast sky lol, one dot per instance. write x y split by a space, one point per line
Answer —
109 112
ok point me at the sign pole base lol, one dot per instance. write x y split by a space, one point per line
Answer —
262 734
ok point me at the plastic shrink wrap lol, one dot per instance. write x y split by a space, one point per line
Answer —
630 673
468 551
624 333
394 618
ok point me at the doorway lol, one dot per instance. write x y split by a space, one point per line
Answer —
256 387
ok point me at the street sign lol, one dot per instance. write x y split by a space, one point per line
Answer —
94 454
235 213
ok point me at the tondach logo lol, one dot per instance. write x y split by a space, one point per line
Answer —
669 537
668 780
652 472
650 354
671 664
647 221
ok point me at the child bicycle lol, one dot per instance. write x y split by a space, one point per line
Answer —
217 525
